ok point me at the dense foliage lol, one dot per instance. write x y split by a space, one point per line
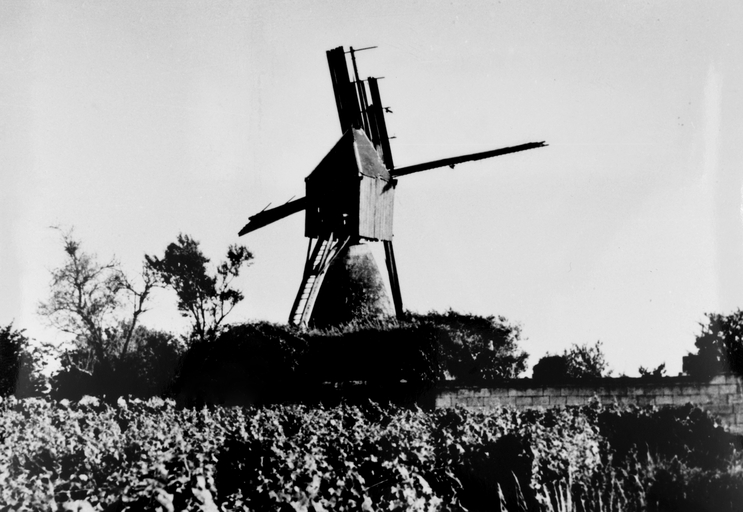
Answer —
720 346
98 304
577 362
249 363
151 456
473 347
22 364
656 373
264 363
145 370
395 361
109 352
12 342
204 298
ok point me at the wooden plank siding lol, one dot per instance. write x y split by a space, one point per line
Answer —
350 193
376 191
376 200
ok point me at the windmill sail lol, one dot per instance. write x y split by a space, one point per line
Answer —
451 162
350 196
267 217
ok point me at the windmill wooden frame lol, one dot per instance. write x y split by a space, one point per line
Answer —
350 194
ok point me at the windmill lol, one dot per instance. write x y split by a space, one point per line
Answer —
350 194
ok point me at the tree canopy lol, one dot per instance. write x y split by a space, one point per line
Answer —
577 362
473 347
97 303
206 299
100 306
719 346
12 342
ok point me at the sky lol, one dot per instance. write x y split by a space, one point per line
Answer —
136 121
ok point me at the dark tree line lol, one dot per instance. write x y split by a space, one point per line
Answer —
397 361
111 352
577 362
719 346
100 306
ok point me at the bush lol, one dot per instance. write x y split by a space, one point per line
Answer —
12 343
267 363
720 347
145 370
473 348
658 373
674 486
551 369
385 361
246 364
688 434
579 362
22 362
374 354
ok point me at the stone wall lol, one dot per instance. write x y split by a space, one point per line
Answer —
722 395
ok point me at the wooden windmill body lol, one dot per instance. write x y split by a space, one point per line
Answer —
350 194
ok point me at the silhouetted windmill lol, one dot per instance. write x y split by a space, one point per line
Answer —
350 194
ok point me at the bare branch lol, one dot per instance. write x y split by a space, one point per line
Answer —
86 300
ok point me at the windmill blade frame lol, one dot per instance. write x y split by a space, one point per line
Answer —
350 194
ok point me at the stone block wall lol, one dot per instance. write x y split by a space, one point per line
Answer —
722 395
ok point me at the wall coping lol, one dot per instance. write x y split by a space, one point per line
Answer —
604 382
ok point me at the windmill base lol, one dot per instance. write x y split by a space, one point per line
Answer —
353 289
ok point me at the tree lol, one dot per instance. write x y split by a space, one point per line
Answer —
586 361
473 347
246 364
12 343
147 369
90 300
551 368
659 371
719 346
22 364
578 362
205 299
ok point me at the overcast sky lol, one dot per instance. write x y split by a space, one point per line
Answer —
136 121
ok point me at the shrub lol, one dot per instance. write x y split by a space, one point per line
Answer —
22 364
376 354
720 346
551 369
145 370
12 343
473 347
267 363
657 373
688 434
385 361
246 364
672 485
578 362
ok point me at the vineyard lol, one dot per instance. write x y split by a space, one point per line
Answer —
149 455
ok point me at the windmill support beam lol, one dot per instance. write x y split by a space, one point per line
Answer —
451 162
394 279
318 261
